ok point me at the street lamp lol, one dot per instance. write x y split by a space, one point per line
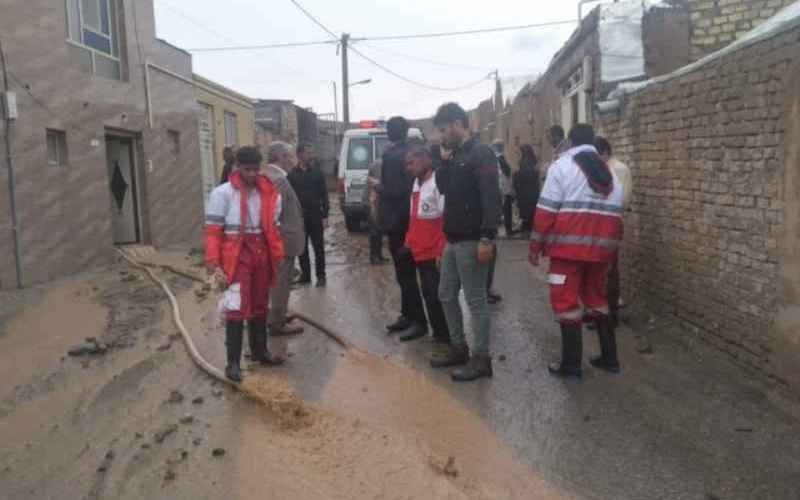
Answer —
346 100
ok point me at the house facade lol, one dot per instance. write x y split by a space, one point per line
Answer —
227 118
105 144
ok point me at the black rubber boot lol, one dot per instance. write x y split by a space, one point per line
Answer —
402 323
571 352
258 344
416 331
478 366
233 345
457 355
608 346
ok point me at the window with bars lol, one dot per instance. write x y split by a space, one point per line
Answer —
93 28
56 148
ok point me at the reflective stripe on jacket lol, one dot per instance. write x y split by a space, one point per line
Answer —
228 206
574 222
425 237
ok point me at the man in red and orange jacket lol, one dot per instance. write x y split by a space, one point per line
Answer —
244 248
578 224
425 242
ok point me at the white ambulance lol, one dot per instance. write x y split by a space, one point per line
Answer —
360 148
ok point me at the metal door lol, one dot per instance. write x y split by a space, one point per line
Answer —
209 172
122 183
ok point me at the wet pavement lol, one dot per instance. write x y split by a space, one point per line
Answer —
681 422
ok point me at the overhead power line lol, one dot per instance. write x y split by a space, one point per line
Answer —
314 19
414 82
464 32
381 66
266 46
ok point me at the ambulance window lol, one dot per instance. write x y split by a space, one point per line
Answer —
359 154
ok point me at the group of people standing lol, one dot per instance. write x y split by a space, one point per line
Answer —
455 194
441 207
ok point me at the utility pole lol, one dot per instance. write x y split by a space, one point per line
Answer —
345 83
9 113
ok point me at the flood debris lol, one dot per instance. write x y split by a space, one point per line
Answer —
218 452
90 346
187 419
198 400
175 397
161 435
447 468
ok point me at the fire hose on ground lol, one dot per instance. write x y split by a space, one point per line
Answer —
198 358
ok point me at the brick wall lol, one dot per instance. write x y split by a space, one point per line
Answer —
708 154
717 23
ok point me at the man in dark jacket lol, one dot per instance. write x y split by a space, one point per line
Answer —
468 180
526 186
229 157
395 206
309 185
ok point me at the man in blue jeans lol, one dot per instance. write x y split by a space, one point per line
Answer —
468 180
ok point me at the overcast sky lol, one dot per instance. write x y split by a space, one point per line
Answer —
304 74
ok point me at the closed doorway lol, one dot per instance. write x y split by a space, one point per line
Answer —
122 184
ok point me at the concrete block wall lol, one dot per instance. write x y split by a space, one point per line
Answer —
717 23
703 241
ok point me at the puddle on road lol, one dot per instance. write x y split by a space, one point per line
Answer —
380 431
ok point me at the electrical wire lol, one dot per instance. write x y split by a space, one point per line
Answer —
463 32
314 19
263 47
414 82
381 66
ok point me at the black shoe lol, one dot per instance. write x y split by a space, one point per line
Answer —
571 352
402 323
259 352
415 332
457 355
233 346
607 360
478 366
493 298
321 282
303 280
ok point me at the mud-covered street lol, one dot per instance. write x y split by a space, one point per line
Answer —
127 415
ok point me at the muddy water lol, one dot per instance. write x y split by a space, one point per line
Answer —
381 431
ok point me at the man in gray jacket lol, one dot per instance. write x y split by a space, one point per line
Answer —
292 229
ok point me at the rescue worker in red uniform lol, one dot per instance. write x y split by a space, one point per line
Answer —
578 224
425 238
244 248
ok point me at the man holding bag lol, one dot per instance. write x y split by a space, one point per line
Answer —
468 181
244 248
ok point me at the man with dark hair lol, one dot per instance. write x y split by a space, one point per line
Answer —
309 185
243 250
395 195
229 157
578 224
425 240
623 174
468 181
